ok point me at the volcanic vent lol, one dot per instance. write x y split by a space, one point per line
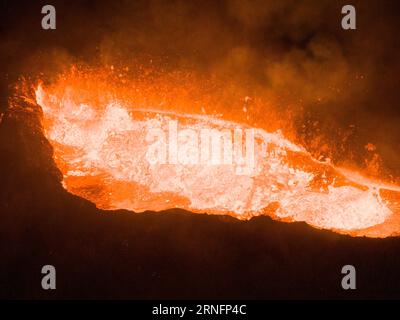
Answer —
124 147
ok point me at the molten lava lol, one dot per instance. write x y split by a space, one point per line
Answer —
126 151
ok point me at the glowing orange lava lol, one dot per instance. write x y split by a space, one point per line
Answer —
103 135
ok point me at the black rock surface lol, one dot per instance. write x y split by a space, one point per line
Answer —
171 254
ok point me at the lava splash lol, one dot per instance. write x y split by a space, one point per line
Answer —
122 156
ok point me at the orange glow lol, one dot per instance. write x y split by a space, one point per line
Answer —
99 128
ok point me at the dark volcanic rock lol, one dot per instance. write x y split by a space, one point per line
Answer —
173 254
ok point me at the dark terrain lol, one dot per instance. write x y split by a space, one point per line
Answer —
174 254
